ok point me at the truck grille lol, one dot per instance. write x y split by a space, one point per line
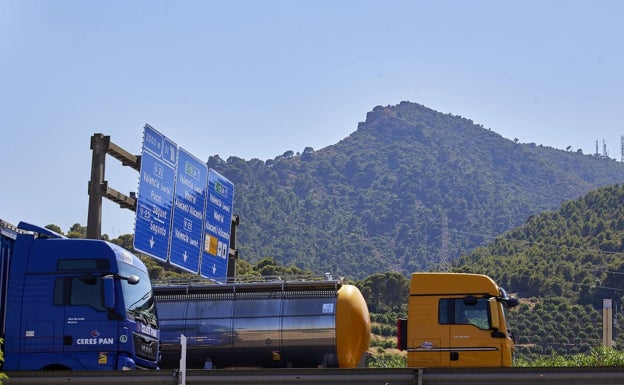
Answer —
145 347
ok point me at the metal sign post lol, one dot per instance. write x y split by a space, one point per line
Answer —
182 373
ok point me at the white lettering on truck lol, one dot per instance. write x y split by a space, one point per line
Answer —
95 341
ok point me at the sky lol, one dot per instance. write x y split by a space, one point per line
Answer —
254 79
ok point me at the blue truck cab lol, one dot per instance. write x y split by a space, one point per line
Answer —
74 304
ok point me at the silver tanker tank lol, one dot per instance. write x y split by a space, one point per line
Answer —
271 324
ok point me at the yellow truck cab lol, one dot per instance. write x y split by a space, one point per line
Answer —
456 320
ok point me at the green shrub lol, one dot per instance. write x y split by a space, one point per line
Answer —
384 360
597 356
2 375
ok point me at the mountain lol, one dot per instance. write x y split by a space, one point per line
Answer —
409 190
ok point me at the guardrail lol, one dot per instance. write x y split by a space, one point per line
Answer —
525 376
507 376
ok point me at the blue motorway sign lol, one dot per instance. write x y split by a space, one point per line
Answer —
155 198
218 227
188 212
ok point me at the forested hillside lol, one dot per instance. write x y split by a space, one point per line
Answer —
564 263
409 189
576 251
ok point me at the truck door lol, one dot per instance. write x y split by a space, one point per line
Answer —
428 332
89 337
471 341
42 322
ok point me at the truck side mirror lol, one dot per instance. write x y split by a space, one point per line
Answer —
494 315
512 302
132 279
109 292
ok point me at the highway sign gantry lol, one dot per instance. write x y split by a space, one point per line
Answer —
184 209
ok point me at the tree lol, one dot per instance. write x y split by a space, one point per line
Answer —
54 228
385 292
126 241
307 153
77 231
245 269
2 375
268 267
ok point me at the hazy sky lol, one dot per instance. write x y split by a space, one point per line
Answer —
254 79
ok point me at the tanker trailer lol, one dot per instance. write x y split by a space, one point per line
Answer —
285 324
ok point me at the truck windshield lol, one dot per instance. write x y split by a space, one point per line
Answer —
138 298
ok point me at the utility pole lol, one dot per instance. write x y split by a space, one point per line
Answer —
607 323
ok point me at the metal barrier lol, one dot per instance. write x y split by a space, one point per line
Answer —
507 376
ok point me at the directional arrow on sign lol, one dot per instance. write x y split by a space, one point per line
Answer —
214 269
151 242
